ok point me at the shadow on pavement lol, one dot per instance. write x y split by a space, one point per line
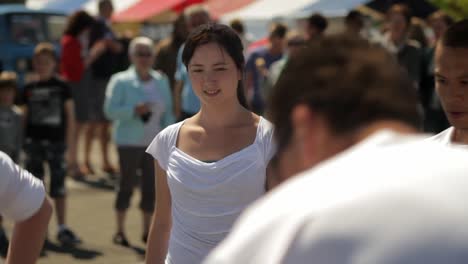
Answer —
76 252
104 182
139 250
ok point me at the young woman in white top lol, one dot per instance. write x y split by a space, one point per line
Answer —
211 166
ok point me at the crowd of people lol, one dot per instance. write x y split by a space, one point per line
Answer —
249 155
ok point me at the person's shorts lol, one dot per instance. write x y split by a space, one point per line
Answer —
38 152
96 97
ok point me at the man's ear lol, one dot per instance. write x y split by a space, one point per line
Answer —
302 120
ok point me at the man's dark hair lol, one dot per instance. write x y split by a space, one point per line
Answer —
238 26
348 81
77 22
318 21
448 20
403 10
278 30
456 36
104 3
354 17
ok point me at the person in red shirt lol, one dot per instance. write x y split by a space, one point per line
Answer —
72 67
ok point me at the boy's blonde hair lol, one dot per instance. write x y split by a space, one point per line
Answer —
45 48
8 80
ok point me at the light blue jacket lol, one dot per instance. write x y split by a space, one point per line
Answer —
124 91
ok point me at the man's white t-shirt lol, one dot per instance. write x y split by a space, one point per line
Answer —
384 162
445 137
21 194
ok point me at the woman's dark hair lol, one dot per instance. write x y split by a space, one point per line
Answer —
77 22
348 81
226 38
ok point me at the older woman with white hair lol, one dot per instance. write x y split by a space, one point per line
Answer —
139 103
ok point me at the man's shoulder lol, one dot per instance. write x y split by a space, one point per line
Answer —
443 137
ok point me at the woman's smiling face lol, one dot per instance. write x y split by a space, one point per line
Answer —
214 74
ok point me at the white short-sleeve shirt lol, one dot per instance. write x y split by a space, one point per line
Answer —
208 197
445 137
21 194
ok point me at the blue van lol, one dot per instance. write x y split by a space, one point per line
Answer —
21 29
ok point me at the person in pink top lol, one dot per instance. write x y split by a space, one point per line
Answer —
73 64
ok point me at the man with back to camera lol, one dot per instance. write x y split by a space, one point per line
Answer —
365 188
23 199
451 83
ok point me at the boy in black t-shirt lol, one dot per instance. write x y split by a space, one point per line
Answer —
50 126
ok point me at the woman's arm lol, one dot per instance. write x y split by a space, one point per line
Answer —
70 134
158 239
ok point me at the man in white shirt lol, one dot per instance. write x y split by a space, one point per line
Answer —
451 82
23 199
366 188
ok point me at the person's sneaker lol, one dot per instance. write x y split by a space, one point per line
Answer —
4 243
67 238
121 239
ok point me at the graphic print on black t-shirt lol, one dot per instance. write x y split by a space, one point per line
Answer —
46 109
45 106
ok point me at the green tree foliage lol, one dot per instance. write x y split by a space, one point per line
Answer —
455 8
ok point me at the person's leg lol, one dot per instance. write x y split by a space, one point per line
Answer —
128 160
80 99
89 132
57 165
105 142
147 192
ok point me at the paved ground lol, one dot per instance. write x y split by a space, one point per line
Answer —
91 215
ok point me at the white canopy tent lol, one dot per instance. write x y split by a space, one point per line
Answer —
260 13
268 9
271 9
68 6
330 8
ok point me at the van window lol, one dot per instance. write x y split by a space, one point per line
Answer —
55 26
26 28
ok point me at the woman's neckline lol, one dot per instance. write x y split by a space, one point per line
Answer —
223 159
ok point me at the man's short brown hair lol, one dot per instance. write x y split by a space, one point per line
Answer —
348 81
8 80
401 9
45 48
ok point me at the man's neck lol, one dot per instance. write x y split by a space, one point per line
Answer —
460 136
395 126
